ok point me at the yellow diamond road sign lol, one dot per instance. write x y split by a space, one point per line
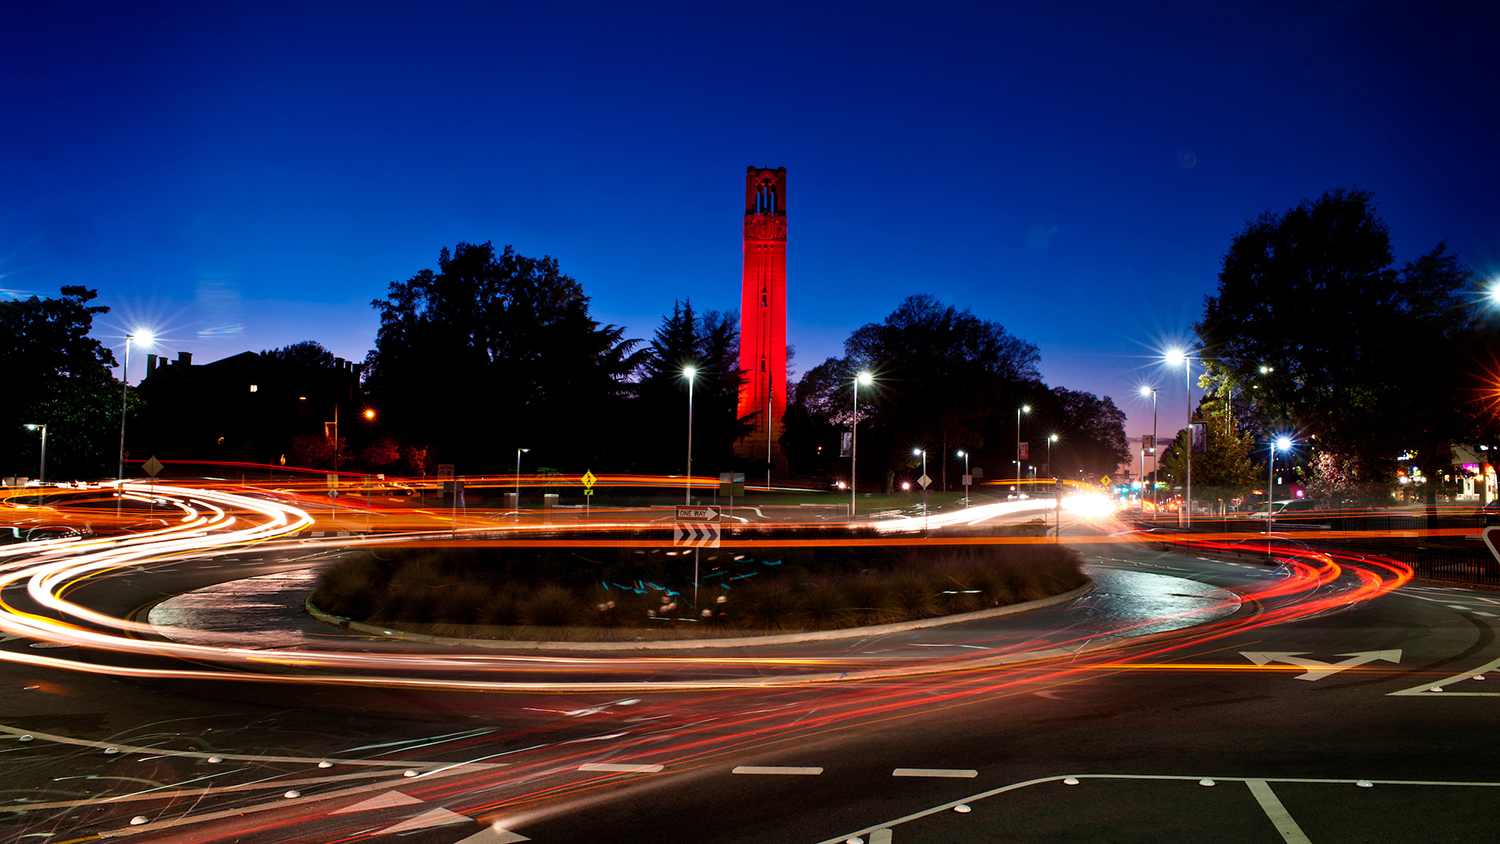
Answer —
1104 481
588 480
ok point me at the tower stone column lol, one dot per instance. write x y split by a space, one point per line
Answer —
763 314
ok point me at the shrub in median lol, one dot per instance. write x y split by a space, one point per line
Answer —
778 585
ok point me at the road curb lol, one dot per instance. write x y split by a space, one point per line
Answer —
697 644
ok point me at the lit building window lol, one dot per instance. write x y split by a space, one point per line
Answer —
254 388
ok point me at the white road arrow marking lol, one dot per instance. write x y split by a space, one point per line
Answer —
427 820
494 835
382 801
1316 668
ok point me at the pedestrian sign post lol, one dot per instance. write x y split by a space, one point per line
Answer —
588 491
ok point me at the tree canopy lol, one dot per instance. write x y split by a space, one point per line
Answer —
944 380
708 342
494 352
1337 342
57 375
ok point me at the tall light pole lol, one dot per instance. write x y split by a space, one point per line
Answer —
1173 357
864 377
41 472
923 453
1284 443
965 456
1052 438
145 338
687 487
1025 408
1155 455
519 450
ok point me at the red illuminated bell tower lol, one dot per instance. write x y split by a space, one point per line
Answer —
763 314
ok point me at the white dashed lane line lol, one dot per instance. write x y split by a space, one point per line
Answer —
948 773
772 770
606 767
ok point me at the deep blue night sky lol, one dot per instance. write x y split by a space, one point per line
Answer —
248 179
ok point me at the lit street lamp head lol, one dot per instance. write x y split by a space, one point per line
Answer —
1146 391
1283 443
865 378
689 372
369 413
1176 356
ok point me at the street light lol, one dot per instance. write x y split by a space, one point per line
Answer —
1175 356
1025 408
41 472
1050 440
965 456
1056 488
687 487
922 452
1284 443
145 338
864 377
1155 455
518 482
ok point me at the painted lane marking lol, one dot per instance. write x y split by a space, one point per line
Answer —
1317 669
197 754
246 810
1427 688
775 770
428 820
387 800
176 790
494 835
880 836
621 769
953 773
1016 786
1280 817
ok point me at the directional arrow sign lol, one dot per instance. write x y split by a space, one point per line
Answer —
698 514
700 535
1317 669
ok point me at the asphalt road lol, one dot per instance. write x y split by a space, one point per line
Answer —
1287 704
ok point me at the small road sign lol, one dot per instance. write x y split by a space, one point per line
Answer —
1104 481
924 481
698 514
588 482
695 535
152 466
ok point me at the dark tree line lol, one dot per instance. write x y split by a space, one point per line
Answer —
492 352
944 380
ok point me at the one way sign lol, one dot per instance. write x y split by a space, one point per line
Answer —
696 535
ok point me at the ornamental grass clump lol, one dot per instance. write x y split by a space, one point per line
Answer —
631 591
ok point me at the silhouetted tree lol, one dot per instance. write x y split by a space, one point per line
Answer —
57 375
710 344
494 352
1338 343
942 373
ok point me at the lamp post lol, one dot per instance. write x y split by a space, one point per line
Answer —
965 456
41 475
922 452
864 377
1155 455
1173 357
1284 443
125 398
1052 438
687 487
518 481
1025 408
